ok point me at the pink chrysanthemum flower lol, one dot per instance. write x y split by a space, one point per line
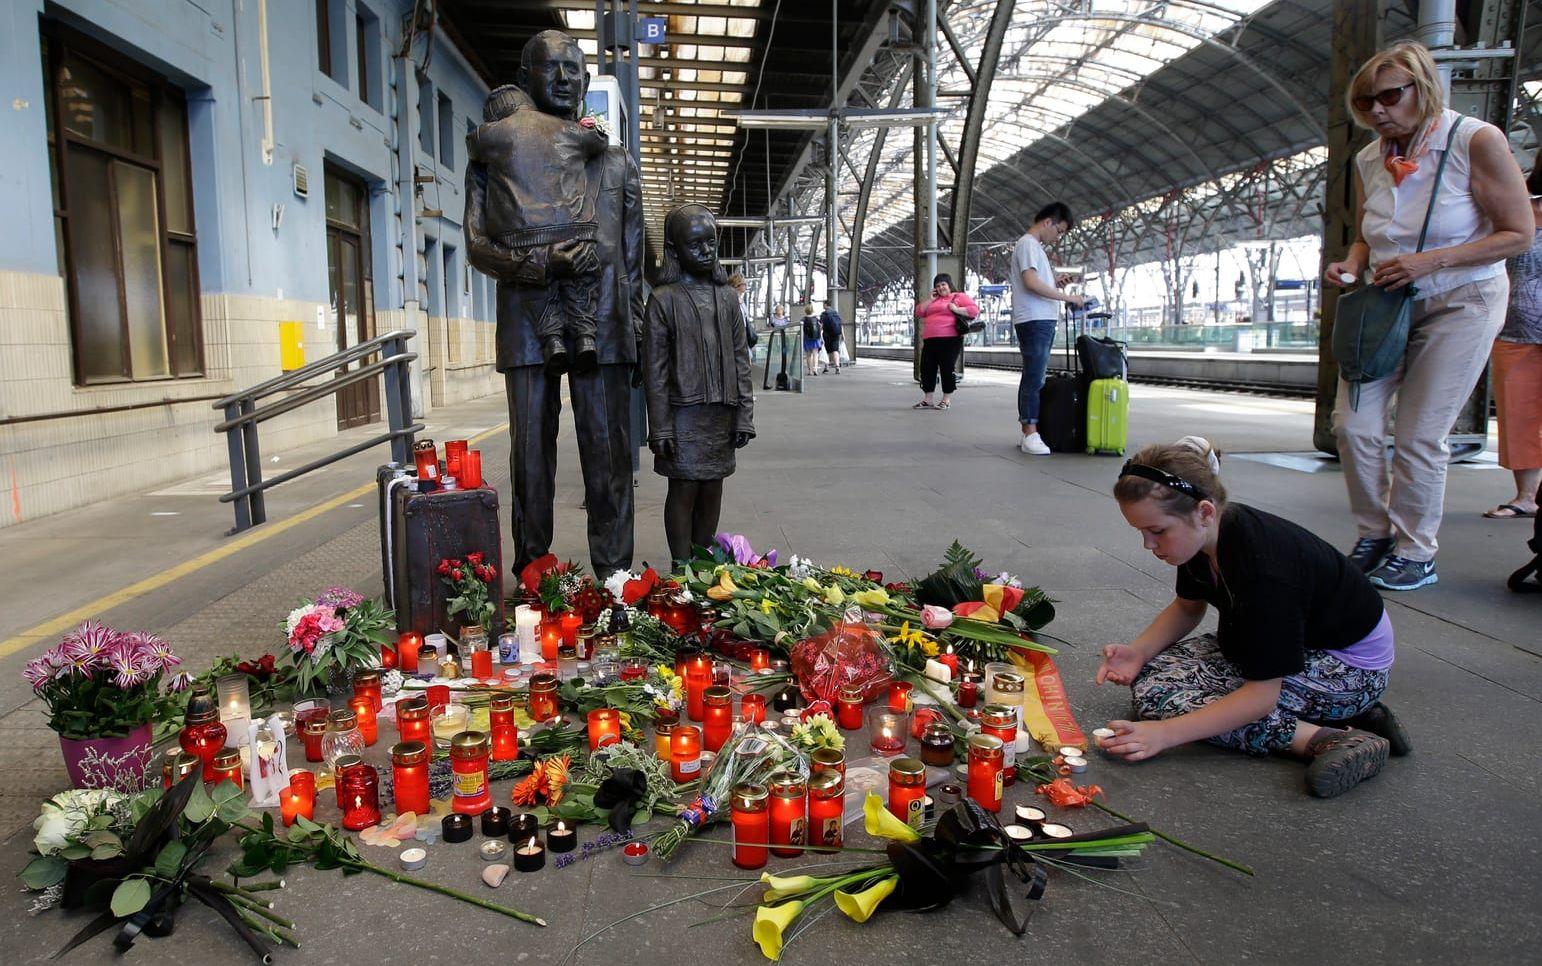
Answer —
37 672
132 668
90 641
154 649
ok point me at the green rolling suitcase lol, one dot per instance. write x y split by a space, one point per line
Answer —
1108 416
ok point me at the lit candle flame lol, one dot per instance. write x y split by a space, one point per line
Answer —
560 827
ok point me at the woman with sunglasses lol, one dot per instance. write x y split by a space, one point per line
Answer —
1480 218
1303 645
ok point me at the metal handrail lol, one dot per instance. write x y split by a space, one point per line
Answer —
242 416
288 380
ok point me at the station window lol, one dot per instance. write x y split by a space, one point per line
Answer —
446 132
123 210
367 41
332 40
425 115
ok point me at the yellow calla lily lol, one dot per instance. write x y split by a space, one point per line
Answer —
770 923
881 823
726 582
877 597
834 596
718 593
861 905
812 584
766 605
783 886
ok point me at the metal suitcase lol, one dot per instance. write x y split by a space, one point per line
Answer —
429 527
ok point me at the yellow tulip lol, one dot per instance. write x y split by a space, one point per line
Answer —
812 584
877 597
861 905
834 596
770 923
783 886
881 823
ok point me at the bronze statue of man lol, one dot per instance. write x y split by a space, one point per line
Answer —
560 226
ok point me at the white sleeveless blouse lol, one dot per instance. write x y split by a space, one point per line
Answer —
1394 214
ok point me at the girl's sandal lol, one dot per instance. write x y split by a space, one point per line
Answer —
923 404
1344 760
944 405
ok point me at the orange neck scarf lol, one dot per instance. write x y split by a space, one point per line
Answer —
1399 166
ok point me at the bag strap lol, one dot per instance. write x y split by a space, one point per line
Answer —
1439 171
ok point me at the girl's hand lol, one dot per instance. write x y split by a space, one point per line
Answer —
1137 740
1121 663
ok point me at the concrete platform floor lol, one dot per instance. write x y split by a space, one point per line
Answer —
1434 861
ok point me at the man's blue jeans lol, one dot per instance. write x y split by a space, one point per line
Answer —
1033 341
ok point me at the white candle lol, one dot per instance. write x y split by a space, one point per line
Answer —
938 671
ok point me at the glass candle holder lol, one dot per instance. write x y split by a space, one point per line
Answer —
233 691
312 732
471 469
698 677
438 697
685 753
604 728
428 662
570 622
304 782
633 669
342 764
663 726
759 659
177 765
481 662
425 456
293 805
448 722
717 717
359 788
551 639
408 643
364 710
468 767
412 721
751 819
202 732
907 790
501 729
1005 687
985 780
900 696
752 708
342 738
887 729
409 777
826 809
1000 721
827 760
848 708
789 813
227 767
543 696
454 456
937 745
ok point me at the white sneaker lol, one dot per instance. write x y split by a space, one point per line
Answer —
1033 445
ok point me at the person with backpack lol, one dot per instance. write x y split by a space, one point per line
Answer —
811 341
1303 646
1035 310
830 328
943 317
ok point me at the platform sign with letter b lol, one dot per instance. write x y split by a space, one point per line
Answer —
650 30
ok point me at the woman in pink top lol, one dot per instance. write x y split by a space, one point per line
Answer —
941 343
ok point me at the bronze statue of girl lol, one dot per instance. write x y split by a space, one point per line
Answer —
696 373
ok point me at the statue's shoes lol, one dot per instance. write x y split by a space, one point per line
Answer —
556 356
587 356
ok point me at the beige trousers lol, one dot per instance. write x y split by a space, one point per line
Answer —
1448 346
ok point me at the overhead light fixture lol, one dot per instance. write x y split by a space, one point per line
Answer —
870 117
805 120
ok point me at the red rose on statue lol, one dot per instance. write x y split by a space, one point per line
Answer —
456 574
475 558
443 569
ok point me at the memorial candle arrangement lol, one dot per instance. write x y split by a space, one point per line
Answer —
789 813
826 809
717 717
751 820
985 778
468 767
604 728
501 728
907 790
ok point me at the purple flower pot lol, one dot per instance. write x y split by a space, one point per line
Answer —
118 763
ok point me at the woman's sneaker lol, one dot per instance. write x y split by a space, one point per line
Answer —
1400 573
1369 552
1033 444
1343 759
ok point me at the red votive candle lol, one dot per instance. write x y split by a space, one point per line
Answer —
848 709
985 771
438 697
312 731
752 708
551 638
760 659
409 777
289 802
907 791
454 455
752 825
698 677
717 717
359 789
685 753
1000 720
634 669
900 695
826 808
543 696
604 728
366 683
227 767
364 710
570 622
471 470
482 663
468 765
501 728
949 660
426 457
789 806
412 719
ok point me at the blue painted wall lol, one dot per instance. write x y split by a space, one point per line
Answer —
211 49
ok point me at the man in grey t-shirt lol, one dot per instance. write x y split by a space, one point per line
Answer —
1035 310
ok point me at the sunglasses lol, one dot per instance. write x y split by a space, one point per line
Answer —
1385 98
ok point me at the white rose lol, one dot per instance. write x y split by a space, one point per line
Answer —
616 582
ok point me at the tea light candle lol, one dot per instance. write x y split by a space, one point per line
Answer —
561 838
1102 736
1076 763
523 827
495 821
530 857
457 827
1070 751
493 850
635 853
1054 830
413 859
1018 833
1029 814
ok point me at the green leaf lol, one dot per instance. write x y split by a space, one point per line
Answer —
229 802
44 871
100 822
130 897
199 806
109 851
102 838
74 853
169 862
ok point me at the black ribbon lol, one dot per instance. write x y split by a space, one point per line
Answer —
622 792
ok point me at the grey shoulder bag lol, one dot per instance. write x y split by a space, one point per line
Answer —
1370 326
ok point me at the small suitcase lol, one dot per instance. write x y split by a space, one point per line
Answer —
1062 413
1108 416
430 527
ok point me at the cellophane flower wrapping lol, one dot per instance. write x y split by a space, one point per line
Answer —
848 655
752 754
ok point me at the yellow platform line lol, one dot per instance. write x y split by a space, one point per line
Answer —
65 621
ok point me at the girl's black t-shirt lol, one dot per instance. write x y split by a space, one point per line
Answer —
1282 591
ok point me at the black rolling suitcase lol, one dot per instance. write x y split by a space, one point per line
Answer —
429 527
1063 407
1528 579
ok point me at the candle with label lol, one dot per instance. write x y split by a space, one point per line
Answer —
685 753
789 813
409 776
468 766
826 809
907 790
717 717
604 728
985 781
1001 721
